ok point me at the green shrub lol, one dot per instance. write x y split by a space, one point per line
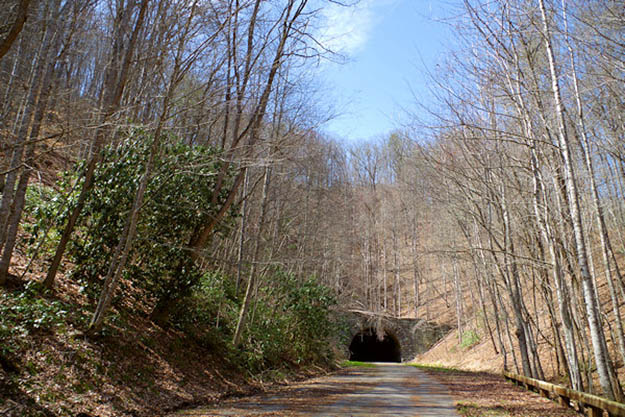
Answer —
292 321
178 200
469 338
289 320
288 323
40 214
27 311
209 313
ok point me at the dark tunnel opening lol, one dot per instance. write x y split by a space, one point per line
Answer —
367 347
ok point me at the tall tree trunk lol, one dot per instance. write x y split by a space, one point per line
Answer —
561 286
15 28
126 241
251 282
396 268
112 91
384 276
602 360
290 15
242 232
458 295
20 143
606 246
514 287
20 193
415 271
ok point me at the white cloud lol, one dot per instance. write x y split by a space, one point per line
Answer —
346 30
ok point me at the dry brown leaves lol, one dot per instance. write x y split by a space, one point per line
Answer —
486 394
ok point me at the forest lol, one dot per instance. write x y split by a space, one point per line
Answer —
168 193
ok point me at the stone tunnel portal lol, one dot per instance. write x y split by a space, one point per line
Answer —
367 347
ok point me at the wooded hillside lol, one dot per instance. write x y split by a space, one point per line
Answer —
165 178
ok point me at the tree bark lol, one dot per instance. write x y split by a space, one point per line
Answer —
112 90
128 235
16 27
251 282
602 360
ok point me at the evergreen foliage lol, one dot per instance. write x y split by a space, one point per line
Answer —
290 321
290 325
179 199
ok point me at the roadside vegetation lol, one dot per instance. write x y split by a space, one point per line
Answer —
357 364
483 394
48 347
175 224
164 200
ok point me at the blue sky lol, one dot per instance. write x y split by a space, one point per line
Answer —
390 44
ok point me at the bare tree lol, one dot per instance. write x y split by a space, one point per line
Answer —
9 34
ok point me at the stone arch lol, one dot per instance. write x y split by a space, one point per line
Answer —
413 336
404 337
383 328
371 345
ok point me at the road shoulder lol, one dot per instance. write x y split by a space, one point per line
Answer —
486 394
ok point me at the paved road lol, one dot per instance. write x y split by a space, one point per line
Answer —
384 390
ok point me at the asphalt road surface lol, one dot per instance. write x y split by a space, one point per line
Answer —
383 390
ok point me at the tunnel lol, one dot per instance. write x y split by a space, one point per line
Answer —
367 347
